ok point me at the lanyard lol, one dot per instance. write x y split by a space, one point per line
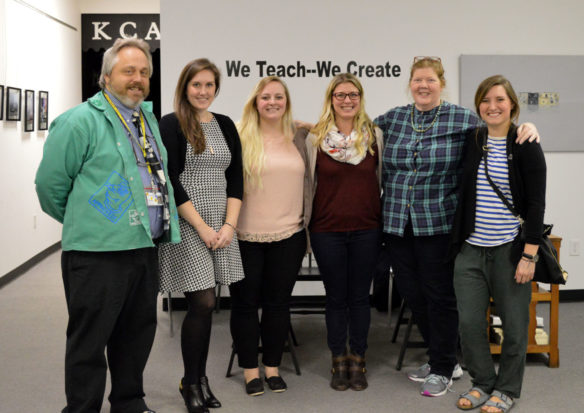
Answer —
142 130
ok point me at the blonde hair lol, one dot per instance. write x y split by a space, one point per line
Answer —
252 144
360 122
433 63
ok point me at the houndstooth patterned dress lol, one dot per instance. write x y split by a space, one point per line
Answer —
190 265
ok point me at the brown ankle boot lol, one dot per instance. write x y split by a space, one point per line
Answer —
357 370
340 378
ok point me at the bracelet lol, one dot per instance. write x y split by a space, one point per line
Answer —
231 225
527 260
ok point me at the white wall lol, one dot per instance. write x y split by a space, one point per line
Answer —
373 32
36 53
117 6
40 54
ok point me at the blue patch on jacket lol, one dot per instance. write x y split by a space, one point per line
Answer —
113 198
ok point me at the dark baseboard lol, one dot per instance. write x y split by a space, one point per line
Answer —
179 303
301 302
21 269
571 295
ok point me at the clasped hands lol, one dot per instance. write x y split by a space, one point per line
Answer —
217 239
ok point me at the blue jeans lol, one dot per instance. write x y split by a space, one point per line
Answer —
346 261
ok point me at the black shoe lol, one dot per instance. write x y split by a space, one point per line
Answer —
254 387
193 397
208 396
276 384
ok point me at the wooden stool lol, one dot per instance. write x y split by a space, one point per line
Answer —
538 295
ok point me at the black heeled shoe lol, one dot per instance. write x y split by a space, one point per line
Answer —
208 396
193 397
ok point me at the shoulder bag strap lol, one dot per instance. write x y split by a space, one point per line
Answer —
497 190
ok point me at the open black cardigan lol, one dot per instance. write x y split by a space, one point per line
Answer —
176 146
527 180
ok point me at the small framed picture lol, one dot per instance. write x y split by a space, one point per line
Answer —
13 97
29 110
1 102
43 110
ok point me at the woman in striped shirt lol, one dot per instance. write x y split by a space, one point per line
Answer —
486 234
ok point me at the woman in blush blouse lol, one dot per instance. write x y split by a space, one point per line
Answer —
271 231
345 161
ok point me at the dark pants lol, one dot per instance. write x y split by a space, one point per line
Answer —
270 274
346 261
424 278
111 300
481 273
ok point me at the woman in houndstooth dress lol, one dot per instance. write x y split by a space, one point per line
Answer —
204 163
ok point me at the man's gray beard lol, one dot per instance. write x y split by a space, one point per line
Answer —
126 101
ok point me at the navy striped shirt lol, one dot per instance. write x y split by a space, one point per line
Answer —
494 223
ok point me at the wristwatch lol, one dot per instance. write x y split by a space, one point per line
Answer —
532 258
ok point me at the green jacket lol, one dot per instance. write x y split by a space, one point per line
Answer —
89 181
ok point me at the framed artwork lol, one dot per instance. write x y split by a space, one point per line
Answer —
13 96
29 110
43 110
1 102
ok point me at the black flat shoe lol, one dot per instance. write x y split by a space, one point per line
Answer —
208 396
193 397
276 384
254 387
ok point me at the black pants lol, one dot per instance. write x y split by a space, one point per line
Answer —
270 274
111 300
346 261
424 278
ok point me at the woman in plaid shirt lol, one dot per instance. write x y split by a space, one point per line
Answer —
423 145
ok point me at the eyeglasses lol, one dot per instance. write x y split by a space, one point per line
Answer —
432 58
341 95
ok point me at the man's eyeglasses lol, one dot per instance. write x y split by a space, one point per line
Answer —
341 95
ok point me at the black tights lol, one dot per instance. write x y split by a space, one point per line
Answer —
196 334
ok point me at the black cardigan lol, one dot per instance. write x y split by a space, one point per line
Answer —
176 146
527 181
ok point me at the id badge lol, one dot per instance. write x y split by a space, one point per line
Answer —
154 199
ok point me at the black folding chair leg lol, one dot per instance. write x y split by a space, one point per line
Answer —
399 321
231 359
404 346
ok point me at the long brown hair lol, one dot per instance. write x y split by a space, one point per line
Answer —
185 113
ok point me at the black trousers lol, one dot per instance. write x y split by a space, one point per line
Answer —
270 274
424 278
346 261
111 300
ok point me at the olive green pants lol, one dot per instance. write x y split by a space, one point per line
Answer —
481 273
